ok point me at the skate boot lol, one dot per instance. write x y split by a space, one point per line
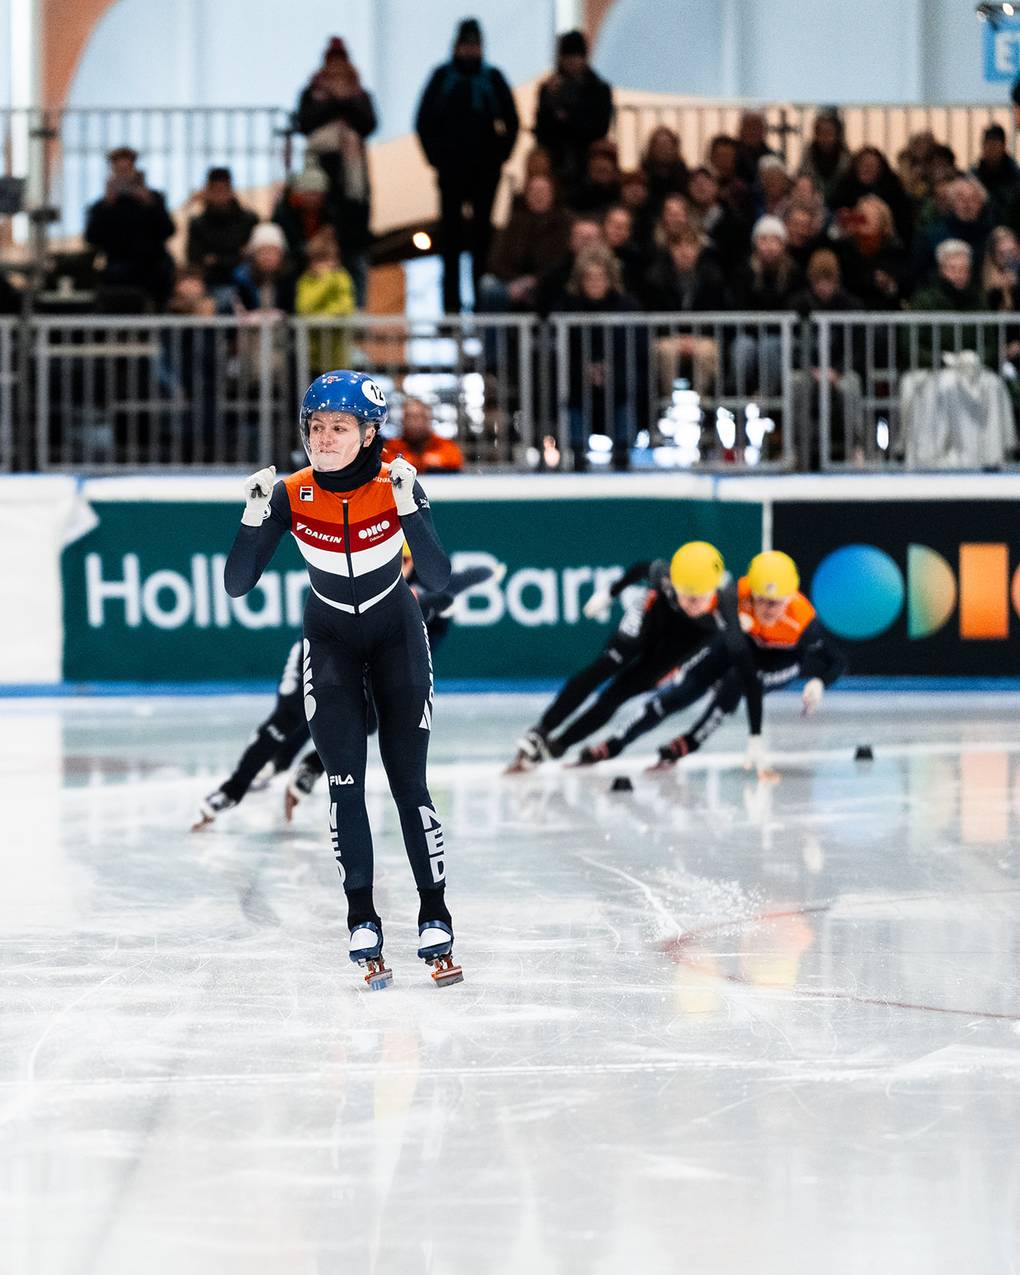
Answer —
366 950
595 753
264 778
671 753
532 750
299 786
215 804
435 940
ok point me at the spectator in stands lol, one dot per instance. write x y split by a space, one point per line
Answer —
751 145
218 234
674 217
418 442
634 196
823 293
954 288
767 282
326 289
605 372
772 188
303 210
870 174
723 154
618 232
804 227
663 166
191 294
585 235
336 114
874 264
467 123
917 166
826 157
970 218
575 109
728 235
130 226
997 171
10 296
686 278
265 281
1000 270
533 242
188 366
600 185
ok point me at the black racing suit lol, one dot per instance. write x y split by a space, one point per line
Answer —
361 614
667 638
814 655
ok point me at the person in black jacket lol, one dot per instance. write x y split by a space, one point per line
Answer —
575 108
467 124
130 226
218 234
336 114
686 278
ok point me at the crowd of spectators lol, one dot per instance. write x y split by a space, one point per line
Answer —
733 229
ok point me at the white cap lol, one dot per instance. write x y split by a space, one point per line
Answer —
768 225
267 234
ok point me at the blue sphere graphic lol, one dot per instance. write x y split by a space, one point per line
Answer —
858 592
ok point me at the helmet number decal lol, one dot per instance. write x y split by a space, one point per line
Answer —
373 393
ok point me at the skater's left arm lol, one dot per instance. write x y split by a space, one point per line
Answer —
431 565
820 657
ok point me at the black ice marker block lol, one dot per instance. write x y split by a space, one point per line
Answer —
864 753
621 784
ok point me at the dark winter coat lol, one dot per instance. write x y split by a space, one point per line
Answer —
666 290
529 244
859 274
466 118
132 234
220 234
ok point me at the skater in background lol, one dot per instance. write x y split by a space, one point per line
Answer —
785 641
437 612
688 605
350 516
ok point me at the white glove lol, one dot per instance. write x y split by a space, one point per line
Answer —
258 491
402 476
755 759
598 605
812 697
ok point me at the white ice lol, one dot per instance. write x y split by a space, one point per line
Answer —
707 1026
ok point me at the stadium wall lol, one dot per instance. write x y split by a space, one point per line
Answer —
118 580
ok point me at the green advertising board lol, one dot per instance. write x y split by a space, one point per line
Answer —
144 600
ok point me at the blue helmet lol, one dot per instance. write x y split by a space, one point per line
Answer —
352 392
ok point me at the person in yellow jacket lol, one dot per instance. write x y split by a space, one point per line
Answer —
325 289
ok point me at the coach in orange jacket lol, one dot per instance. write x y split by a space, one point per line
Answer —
419 445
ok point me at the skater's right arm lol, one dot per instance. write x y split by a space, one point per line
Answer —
265 519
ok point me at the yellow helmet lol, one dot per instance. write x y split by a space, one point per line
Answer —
773 575
697 568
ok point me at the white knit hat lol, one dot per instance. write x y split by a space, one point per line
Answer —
768 225
267 234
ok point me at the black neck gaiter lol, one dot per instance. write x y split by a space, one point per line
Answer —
362 469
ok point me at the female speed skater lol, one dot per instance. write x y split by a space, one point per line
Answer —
691 603
350 515
786 642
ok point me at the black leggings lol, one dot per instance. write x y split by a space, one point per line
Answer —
391 641
279 737
618 652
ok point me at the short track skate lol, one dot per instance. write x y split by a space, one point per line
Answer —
436 950
366 952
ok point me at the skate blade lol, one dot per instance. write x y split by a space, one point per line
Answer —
445 973
378 976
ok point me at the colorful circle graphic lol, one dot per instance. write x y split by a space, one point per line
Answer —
858 592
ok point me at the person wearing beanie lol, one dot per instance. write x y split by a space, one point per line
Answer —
467 125
336 114
264 280
767 282
575 109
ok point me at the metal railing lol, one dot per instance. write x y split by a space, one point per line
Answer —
727 390
887 399
8 329
176 147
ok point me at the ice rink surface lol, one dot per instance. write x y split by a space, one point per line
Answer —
707 1026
